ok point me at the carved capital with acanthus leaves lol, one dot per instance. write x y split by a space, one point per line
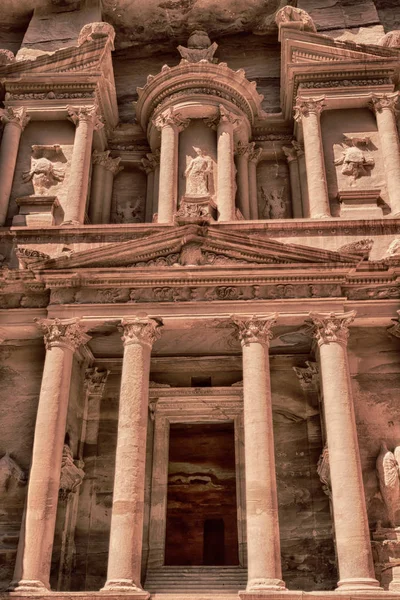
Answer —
14 116
290 153
64 333
256 329
305 107
329 328
170 118
379 102
255 155
150 162
395 328
85 114
95 381
243 149
139 330
308 376
104 159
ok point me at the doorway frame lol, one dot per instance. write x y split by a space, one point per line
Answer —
196 406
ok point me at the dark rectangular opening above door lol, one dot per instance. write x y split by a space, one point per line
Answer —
201 524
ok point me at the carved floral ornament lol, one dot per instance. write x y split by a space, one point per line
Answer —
256 329
14 116
85 114
305 107
67 333
332 327
380 102
142 331
104 159
171 118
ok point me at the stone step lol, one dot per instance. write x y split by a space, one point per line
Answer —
196 579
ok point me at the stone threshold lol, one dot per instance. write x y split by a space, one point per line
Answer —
209 595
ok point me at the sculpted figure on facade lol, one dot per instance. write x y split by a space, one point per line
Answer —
388 471
131 212
72 473
198 174
355 163
44 172
295 18
274 205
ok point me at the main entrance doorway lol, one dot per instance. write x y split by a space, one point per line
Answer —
202 518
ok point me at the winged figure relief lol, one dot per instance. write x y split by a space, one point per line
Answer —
388 470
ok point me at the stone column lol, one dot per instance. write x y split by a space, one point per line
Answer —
157 156
104 170
263 543
149 165
86 121
125 555
170 124
242 162
303 178
307 111
15 121
385 110
254 157
226 165
62 338
356 568
291 157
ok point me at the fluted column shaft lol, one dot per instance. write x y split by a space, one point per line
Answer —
62 338
86 121
263 542
242 162
353 545
385 107
170 124
125 554
15 121
291 156
254 157
104 170
308 112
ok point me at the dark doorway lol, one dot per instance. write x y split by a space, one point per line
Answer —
201 505
214 542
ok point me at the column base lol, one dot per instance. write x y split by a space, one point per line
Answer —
361 584
29 586
124 586
265 585
71 223
321 216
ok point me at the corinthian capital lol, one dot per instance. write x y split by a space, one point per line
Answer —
87 114
243 149
67 333
308 106
395 328
172 119
380 101
140 330
330 327
104 159
255 329
255 155
95 381
16 116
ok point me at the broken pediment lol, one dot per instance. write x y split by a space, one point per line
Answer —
195 246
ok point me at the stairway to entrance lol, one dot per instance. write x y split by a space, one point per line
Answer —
196 579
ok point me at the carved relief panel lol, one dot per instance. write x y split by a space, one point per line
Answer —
273 190
129 196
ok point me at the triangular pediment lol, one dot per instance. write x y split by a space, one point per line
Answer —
194 246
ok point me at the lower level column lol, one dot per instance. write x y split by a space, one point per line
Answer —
62 338
125 554
263 542
353 546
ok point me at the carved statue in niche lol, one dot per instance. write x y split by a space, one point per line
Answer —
274 203
388 471
354 160
198 174
131 212
43 173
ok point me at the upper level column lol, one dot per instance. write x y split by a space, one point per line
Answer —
292 159
15 121
125 555
307 111
62 338
86 120
242 160
226 165
384 107
263 541
170 124
104 170
254 157
356 567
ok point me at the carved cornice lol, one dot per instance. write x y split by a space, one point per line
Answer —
95 381
15 116
379 102
86 114
66 333
308 106
256 329
329 328
170 118
142 331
